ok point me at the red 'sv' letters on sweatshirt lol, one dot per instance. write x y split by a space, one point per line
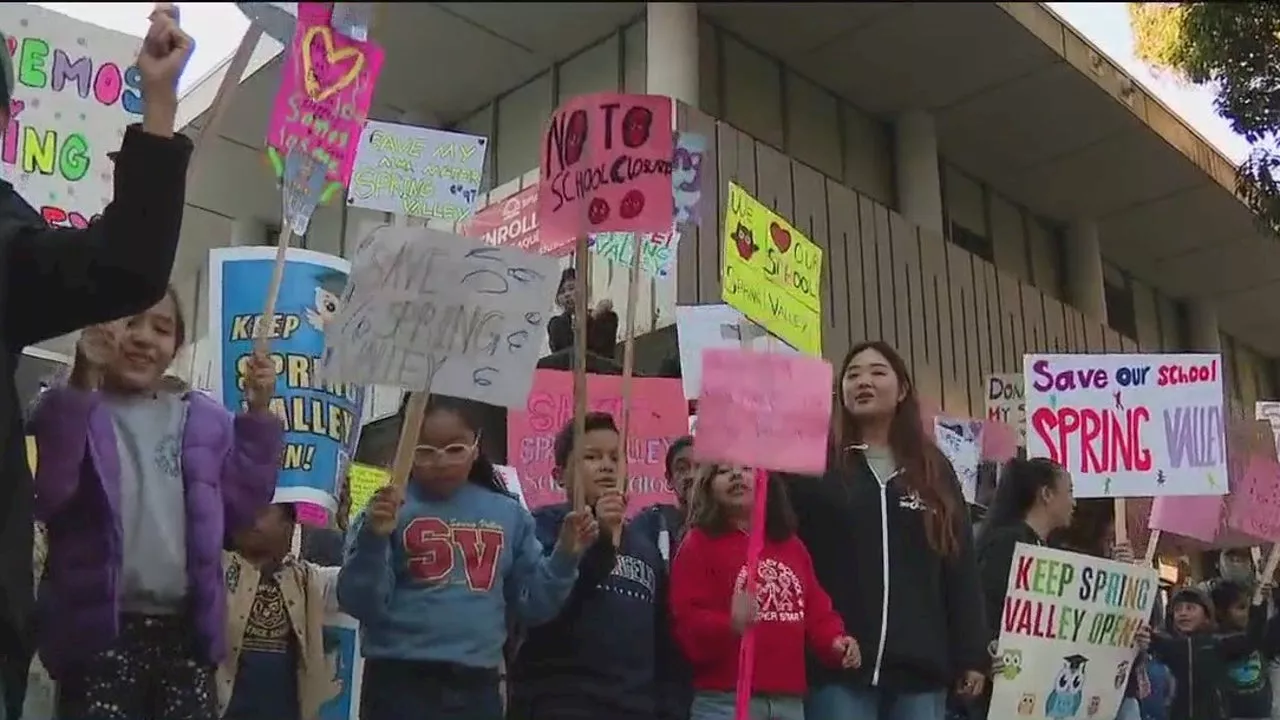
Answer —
430 545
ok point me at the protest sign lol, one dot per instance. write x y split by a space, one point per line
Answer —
766 410
686 177
606 166
362 482
1129 425
658 415
75 90
1204 518
657 250
430 310
1067 633
301 188
511 479
417 172
344 664
278 20
1269 410
321 420
1255 510
772 272
326 86
1006 403
960 440
701 327
513 221
311 514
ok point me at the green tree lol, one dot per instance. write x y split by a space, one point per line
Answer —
1233 48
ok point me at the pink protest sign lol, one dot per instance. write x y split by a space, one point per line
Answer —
1255 509
606 167
312 514
1206 519
326 86
766 410
512 221
659 415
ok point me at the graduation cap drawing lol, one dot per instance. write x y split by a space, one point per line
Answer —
329 287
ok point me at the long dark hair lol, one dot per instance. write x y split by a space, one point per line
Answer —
709 515
923 464
1091 522
483 473
1020 484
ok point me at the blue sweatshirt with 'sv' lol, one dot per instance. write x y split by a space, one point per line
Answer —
439 587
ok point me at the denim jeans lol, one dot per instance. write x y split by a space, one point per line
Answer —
840 702
408 690
721 706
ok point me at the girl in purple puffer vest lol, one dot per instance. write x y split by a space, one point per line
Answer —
138 486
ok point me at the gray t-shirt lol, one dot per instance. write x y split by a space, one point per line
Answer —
153 510
882 462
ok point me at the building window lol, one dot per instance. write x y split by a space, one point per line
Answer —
1120 311
978 245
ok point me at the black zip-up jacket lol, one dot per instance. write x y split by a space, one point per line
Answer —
918 617
1198 663
58 280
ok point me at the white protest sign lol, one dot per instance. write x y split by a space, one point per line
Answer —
1129 425
417 172
961 442
1066 634
429 310
76 88
702 327
511 478
1006 403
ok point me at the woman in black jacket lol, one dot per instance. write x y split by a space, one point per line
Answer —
891 543
1033 499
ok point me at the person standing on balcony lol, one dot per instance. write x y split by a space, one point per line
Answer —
892 544
602 322
56 281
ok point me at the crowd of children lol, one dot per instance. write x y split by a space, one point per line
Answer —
170 591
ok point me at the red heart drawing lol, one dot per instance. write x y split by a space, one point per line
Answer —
781 238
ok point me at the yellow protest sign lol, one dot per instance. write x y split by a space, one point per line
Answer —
363 481
772 272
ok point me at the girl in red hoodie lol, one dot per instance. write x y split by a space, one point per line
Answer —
711 611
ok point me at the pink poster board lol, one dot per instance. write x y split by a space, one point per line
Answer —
312 514
765 410
606 166
1254 509
659 415
326 86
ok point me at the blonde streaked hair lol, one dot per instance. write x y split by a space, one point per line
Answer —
709 516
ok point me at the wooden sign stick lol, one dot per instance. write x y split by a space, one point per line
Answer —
582 261
1152 542
415 411
1268 572
628 370
260 340
1121 524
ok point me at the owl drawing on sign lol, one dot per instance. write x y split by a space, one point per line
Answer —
1067 693
1027 705
1011 664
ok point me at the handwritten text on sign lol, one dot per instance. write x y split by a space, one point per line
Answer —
326 85
657 250
1067 632
772 272
1006 403
427 309
767 410
1129 425
417 172
606 165
76 88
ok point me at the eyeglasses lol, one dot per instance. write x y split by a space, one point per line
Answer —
449 454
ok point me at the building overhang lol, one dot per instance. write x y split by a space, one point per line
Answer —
1025 103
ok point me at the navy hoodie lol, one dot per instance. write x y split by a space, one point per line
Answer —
606 653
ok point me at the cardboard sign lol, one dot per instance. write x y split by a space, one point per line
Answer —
321 421
701 327
606 167
1066 634
1129 425
430 310
686 177
960 440
417 172
1006 403
75 90
513 221
772 272
658 416
657 250
326 86
765 410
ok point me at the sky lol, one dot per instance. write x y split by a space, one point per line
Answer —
218 27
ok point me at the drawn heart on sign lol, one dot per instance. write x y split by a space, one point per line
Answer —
321 88
781 238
